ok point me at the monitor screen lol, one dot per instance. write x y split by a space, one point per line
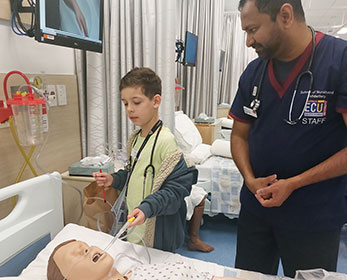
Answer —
71 23
190 49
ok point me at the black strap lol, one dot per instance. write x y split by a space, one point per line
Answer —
159 124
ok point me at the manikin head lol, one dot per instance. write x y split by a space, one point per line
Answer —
268 24
76 260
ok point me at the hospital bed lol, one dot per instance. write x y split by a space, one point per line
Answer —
34 228
218 174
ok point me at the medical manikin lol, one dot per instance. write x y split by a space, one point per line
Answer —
76 260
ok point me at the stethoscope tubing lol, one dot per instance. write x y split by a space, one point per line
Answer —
158 126
255 104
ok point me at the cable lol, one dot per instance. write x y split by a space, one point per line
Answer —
13 24
16 5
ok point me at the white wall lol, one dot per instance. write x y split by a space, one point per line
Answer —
29 56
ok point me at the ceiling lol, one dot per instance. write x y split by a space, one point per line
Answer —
328 16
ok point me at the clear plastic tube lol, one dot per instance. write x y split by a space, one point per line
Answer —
119 233
38 91
120 210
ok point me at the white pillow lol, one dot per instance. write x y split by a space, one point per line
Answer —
228 123
200 154
221 148
188 136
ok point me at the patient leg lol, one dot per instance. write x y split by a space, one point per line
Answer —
194 243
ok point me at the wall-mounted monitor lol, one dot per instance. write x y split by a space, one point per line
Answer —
70 23
190 49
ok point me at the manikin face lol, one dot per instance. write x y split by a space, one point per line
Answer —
263 34
76 260
141 110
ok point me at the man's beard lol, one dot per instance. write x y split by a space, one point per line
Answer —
263 52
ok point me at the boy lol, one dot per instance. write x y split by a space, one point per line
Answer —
160 177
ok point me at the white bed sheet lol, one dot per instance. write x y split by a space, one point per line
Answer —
37 269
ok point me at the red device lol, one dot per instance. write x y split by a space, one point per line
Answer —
103 189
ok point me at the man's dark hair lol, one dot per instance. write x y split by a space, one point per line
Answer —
272 7
142 77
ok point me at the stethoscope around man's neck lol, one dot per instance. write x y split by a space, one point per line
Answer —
255 104
150 167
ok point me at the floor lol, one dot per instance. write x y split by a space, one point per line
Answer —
220 232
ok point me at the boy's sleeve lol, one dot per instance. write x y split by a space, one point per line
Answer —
168 200
119 179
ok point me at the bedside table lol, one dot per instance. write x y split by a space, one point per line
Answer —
209 131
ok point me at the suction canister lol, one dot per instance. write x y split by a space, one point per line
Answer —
27 114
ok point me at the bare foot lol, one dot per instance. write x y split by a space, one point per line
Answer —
198 245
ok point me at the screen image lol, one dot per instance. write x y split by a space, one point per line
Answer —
190 49
70 23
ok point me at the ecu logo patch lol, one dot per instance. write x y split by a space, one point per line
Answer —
316 108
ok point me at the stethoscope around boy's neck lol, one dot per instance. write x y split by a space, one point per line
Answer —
150 167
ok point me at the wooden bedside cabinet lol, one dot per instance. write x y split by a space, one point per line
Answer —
209 131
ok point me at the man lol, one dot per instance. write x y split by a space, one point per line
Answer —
290 143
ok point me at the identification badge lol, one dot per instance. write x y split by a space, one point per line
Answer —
250 112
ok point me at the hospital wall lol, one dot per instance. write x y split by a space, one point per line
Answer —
54 65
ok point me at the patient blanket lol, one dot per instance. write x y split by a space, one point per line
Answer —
226 185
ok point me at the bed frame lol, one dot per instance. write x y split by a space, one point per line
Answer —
35 219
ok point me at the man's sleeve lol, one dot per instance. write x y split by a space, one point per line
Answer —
341 105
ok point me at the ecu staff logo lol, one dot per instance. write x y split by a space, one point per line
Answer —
316 108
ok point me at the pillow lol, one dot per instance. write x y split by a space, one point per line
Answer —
188 136
200 154
221 148
228 123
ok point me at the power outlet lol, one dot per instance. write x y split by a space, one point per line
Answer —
61 93
51 95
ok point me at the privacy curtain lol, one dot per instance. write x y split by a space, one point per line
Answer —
136 33
204 18
237 57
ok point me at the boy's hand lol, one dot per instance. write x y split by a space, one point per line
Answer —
139 217
103 179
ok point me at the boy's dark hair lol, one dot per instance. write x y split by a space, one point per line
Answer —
272 7
142 77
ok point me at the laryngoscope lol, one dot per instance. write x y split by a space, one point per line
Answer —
120 232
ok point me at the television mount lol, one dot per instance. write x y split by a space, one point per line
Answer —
179 50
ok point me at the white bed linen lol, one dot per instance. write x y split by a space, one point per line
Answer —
220 177
37 269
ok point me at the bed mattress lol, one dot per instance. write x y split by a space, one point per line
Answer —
124 252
